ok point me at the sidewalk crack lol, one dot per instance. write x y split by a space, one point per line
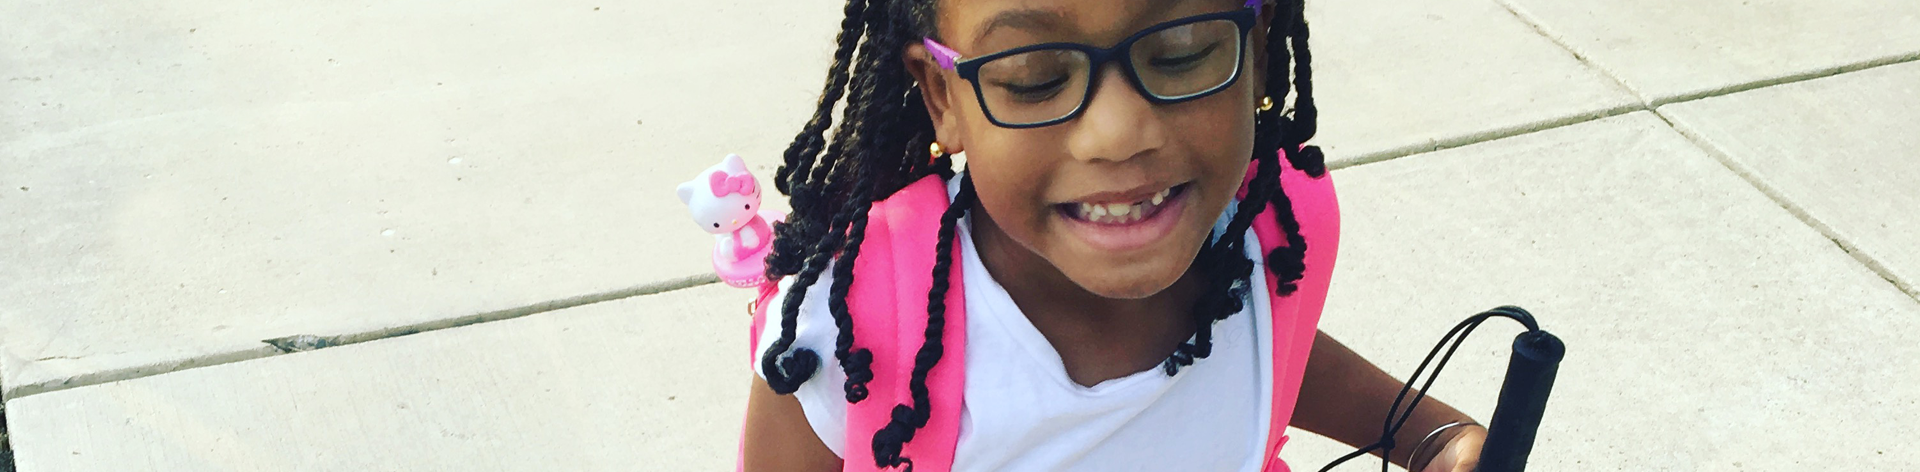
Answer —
308 342
1540 28
1641 102
1780 199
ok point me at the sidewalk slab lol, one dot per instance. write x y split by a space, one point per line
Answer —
657 382
1666 50
1706 327
1394 78
184 180
1843 151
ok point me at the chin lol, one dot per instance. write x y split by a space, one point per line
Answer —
1136 277
1128 283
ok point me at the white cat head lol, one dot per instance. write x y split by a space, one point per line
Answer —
723 198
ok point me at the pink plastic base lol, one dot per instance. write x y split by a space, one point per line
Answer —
751 271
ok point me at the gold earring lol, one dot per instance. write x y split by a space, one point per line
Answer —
1266 103
934 152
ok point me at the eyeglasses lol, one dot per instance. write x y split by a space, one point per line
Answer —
1046 84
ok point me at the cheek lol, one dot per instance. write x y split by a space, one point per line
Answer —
1218 128
1011 171
1218 134
1013 196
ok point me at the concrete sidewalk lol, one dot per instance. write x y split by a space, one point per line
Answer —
468 212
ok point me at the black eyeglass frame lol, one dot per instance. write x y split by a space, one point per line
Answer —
1244 18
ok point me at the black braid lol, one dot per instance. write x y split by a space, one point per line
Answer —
1305 114
892 439
791 236
1273 132
785 376
1292 257
831 192
806 146
857 363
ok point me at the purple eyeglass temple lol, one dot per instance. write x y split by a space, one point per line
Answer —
941 53
946 56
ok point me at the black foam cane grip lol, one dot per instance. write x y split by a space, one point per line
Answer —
1523 399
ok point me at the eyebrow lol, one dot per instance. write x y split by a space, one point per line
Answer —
1032 19
1027 19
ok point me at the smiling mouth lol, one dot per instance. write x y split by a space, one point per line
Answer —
1121 213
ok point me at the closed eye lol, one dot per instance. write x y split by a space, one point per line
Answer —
1034 92
1184 62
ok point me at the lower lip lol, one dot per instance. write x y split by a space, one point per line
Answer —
1132 235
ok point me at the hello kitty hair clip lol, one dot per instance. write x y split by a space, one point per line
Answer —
725 201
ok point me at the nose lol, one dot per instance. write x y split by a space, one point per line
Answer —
735 221
1117 124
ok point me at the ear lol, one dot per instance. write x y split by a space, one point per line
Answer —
733 164
941 90
685 191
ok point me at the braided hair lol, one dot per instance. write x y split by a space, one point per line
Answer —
874 152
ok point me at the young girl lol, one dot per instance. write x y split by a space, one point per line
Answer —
1118 312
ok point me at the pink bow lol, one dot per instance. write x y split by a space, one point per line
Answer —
724 183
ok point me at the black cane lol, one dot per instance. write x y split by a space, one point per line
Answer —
1523 398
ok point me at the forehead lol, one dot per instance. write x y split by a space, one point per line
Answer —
965 23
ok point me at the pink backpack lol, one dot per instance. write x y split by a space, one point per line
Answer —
890 319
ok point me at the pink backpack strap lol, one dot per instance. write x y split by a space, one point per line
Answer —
888 302
1296 318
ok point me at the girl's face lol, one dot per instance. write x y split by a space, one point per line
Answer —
1121 198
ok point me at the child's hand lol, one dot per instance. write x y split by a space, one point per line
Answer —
1461 454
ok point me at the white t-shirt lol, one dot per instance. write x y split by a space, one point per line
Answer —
1022 412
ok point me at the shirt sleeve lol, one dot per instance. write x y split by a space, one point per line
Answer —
822 397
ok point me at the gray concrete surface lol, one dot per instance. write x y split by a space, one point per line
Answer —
1394 78
184 181
1842 151
648 383
1665 50
180 181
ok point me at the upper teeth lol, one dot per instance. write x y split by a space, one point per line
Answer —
1122 212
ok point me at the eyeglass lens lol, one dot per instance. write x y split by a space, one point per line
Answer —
1174 63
